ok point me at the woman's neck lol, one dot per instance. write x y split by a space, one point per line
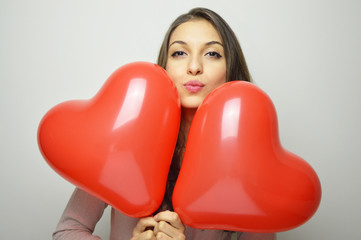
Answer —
187 118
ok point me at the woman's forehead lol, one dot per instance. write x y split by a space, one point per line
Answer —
199 30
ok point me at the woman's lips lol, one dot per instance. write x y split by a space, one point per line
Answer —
193 86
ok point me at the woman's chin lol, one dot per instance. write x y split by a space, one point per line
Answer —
191 102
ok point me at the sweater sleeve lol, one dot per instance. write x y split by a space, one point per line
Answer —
79 218
256 236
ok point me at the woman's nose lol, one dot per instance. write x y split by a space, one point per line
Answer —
195 66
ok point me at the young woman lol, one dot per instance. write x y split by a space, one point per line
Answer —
200 52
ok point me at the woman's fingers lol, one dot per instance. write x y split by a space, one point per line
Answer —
165 225
147 235
144 224
172 218
164 229
169 226
163 236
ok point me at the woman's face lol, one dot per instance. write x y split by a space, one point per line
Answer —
196 61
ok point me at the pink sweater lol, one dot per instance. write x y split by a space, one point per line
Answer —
84 211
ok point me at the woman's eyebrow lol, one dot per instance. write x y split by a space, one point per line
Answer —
214 42
179 42
207 44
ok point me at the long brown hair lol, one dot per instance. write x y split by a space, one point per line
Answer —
236 70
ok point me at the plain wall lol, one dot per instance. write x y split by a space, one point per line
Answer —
305 54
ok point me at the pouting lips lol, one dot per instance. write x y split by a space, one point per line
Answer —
193 86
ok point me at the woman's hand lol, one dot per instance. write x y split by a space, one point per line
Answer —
144 229
169 226
164 225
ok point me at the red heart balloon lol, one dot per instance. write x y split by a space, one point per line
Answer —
118 145
235 174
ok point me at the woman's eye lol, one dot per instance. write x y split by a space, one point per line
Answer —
213 54
178 53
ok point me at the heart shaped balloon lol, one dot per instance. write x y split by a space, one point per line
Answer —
235 174
119 144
